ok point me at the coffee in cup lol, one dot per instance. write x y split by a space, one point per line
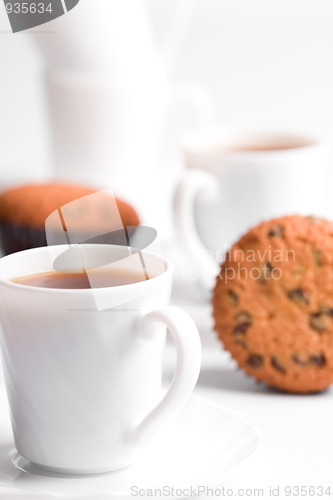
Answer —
80 280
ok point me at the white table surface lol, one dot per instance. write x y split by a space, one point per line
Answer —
297 429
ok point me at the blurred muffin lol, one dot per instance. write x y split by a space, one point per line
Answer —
77 215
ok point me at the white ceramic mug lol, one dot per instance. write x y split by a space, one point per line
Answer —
84 384
235 180
109 132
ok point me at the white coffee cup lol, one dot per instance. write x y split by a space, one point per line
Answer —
235 180
84 384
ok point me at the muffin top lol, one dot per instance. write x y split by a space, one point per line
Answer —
30 205
273 303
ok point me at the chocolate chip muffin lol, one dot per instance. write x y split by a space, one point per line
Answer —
273 303
25 209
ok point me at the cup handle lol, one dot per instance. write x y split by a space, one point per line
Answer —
193 182
186 337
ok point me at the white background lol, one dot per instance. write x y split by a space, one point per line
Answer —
265 62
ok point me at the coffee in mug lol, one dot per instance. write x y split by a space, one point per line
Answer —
79 281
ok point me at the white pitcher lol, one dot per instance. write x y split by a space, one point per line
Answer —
109 90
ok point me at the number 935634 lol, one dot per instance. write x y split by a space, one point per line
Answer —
28 8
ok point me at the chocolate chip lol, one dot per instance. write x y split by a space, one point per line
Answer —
242 328
234 299
243 317
268 266
298 361
243 322
266 272
241 342
268 269
318 257
276 231
298 295
327 310
318 322
255 360
277 365
318 360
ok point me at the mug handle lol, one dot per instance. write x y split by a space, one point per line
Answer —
186 337
193 182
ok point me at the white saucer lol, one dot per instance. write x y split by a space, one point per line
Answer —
200 446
